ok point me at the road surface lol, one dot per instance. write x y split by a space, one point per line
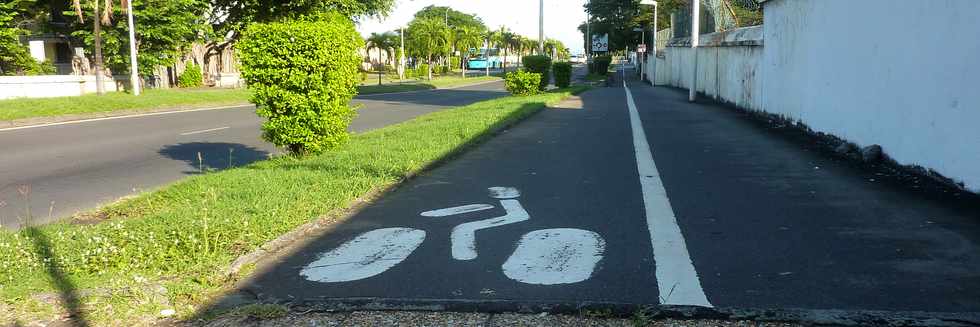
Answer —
51 172
655 201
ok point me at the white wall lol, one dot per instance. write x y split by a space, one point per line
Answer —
49 86
871 71
904 76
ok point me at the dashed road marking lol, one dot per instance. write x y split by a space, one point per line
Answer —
676 277
204 131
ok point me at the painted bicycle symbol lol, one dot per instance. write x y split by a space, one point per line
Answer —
544 257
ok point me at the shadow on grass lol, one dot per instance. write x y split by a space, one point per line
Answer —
206 156
67 291
270 269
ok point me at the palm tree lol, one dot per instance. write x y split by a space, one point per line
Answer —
467 38
509 41
101 17
382 42
429 36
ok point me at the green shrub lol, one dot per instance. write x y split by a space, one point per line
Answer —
191 77
422 71
304 74
523 82
563 74
540 65
600 65
454 62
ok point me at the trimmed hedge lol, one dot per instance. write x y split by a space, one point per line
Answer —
303 74
523 83
563 74
540 65
600 64
191 77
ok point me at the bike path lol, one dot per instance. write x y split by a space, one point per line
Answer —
575 169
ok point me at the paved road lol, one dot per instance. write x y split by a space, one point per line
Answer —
75 167
664 202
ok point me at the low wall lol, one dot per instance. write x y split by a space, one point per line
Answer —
905 81
49 86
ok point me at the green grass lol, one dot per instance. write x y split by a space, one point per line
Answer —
422 84
151 99
183 235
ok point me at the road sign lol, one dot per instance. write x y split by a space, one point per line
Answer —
641 48
600 43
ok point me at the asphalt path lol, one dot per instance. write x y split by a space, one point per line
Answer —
52 172
642 198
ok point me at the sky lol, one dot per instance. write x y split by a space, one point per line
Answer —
561 17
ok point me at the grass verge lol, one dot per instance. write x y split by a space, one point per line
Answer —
419 85
167 249
151 99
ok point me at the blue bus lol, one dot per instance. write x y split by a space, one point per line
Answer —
481 60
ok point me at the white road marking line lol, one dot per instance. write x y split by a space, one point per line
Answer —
498 192
456 210
676 278
555 256
204 131
122 117
463 237
367 255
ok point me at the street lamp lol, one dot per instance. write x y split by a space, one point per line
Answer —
133 69
695 34
401 57
541 27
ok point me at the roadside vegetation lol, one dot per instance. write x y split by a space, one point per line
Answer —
153 99
440 82
168 249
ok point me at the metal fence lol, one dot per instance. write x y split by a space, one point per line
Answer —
717 15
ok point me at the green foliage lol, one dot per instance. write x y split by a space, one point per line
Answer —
385 42
428 37
191 77
304 74
563 74
541 65
14 56
600 65
523 83
456 18
238 14
618 18
164 31
454 62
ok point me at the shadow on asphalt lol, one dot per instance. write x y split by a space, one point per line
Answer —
339 230
452 97
206 156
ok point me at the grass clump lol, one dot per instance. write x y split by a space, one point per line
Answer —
182 236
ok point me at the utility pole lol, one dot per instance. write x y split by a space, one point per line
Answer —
401 58
99 83
695 33
133 67
541 27
653 81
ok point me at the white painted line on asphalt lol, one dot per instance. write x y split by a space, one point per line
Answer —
122 117
463 237
205 131
555 256
676 278
457 210
500 192
367 255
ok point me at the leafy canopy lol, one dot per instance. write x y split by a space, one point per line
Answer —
229 17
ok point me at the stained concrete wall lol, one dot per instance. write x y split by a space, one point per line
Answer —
872 72
49 86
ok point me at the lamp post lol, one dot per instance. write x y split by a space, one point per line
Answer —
695 33
401 57
541 27
133 66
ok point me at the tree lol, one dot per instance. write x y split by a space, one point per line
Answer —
14 56
509 41
164 30
451 17
618 18
230 17
429 37
386 42
467 38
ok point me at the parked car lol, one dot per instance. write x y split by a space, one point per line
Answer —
578 59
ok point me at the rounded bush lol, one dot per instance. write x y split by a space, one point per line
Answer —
523 83
191 77
540 65
303 74
563 74
600 64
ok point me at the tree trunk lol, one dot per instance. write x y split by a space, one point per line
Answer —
430 66
99 76
505 61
